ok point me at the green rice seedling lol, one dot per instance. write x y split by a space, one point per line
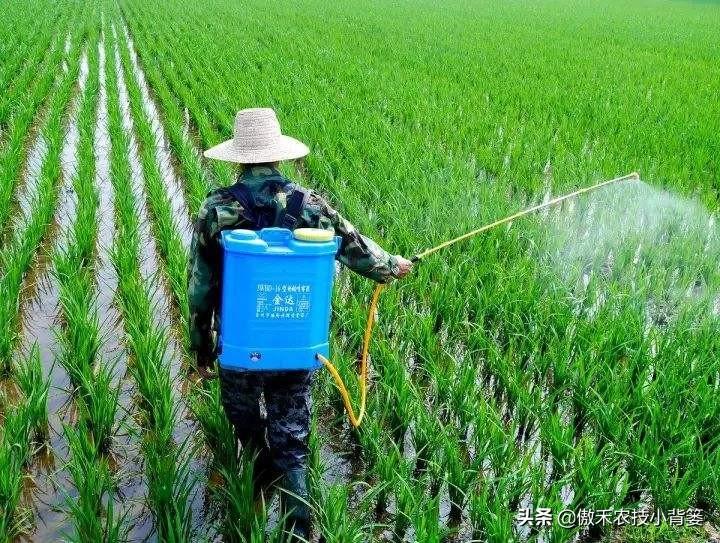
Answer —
373 436
610 419
185 89
197 184
493 504
34 386
11 41
15 453
92 509
557 436
712 494
427 437
244 510
440 374
398 394
463 395
236 493
496 442
503 458
84 231
426 522
334 519
98 403
96 393
218 432
80 335
315 457
22 59
556 532
169 487
389 464
599 475
152 374
167 464
408 493
459 472
261 533
164 225
582 392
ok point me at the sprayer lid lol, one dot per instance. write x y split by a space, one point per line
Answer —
313 234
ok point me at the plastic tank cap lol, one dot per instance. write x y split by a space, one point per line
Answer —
313 234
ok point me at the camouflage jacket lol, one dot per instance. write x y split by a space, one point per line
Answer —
221 211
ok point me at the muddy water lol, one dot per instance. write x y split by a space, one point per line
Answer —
107 279
339 465
35 159
149 257
40 314
187 132
67 200
186 427
126 447
67 51
162 149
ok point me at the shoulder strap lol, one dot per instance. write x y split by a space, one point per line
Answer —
294 208
291 218
242 194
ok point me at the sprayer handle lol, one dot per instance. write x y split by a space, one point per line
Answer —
414 259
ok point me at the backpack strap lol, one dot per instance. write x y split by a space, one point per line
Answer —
294 208
242 194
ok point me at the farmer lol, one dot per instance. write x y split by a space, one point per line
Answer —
263 197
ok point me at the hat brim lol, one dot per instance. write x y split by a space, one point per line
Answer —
283 148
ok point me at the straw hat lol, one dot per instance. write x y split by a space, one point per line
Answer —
257 138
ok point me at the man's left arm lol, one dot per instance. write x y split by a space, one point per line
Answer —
203 287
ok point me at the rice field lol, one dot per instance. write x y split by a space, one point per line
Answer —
570 361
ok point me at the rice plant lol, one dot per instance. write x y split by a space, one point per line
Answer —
96 392
34 387
334 518
15 453
92 510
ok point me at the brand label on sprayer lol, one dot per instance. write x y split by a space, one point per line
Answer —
282 301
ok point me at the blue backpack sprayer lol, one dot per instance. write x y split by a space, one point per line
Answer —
276 294
277 286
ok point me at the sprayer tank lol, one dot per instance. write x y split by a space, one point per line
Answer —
276 294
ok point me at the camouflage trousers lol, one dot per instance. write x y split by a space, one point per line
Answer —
284 431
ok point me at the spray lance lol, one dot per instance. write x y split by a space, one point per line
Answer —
356 419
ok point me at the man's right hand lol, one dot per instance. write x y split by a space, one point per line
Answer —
405 266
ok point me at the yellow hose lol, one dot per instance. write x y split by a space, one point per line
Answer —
355 420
